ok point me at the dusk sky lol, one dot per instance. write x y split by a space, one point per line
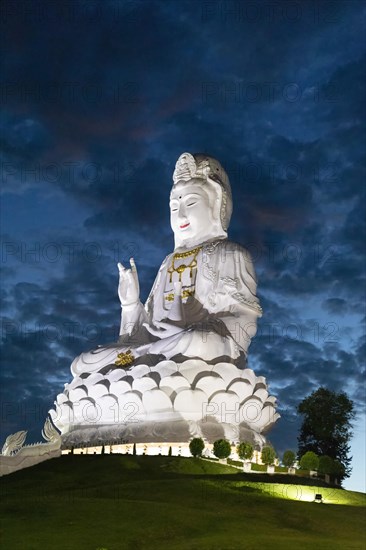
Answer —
99 99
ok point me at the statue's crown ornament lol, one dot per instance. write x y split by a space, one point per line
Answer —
209 170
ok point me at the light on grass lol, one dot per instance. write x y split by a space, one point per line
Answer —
305 493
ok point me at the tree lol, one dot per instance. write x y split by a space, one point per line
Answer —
288 459
331 467
268 455
222 448
196 446
245 450
170 451
134 450
309 461
326 464
326 428
338 470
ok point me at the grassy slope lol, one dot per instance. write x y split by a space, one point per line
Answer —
122 502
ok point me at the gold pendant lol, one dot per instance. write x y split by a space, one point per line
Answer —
124 359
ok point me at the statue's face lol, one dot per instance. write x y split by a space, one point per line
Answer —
191 214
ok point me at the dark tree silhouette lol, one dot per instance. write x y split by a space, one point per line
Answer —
326 428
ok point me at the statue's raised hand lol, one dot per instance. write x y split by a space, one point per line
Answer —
128 287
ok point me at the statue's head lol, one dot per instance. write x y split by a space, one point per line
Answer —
200 200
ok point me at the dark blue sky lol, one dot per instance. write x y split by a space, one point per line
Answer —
99 98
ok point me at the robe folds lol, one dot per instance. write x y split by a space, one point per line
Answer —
203 305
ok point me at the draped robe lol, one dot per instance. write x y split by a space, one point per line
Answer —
211 314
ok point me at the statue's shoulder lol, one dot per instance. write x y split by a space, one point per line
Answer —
166 260
231 246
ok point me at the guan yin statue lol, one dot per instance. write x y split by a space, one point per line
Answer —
179 368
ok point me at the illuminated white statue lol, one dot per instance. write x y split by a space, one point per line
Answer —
181 358
203 303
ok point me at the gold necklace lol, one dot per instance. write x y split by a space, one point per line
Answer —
181 268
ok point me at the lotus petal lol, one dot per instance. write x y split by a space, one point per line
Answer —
170 392
143 384
260 382
211 384
227 371
78 393
156 400
248 374
204 373
242 388
119 387
87 411
56 419
105 383
266 417
251 410
65 413
271 399
190 402
116 375
262 394
227 404
109 408
192 363
139 371
75 382
190 369
93 379
127 378
61 398
155 376
165 368
174 382
130 406
97 391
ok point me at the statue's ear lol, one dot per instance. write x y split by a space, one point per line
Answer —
217 200
217 208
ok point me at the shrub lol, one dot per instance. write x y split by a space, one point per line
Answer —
258 467
309 461
170 451
222 448
234 462
245 450
134 449
196 446
268 455
326 464
288 459
281 469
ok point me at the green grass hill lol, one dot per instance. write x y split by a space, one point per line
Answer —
117 502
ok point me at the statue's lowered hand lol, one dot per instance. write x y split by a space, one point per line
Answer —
128 287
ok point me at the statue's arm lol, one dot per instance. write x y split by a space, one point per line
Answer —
132 318
136 315
133 312
237 288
